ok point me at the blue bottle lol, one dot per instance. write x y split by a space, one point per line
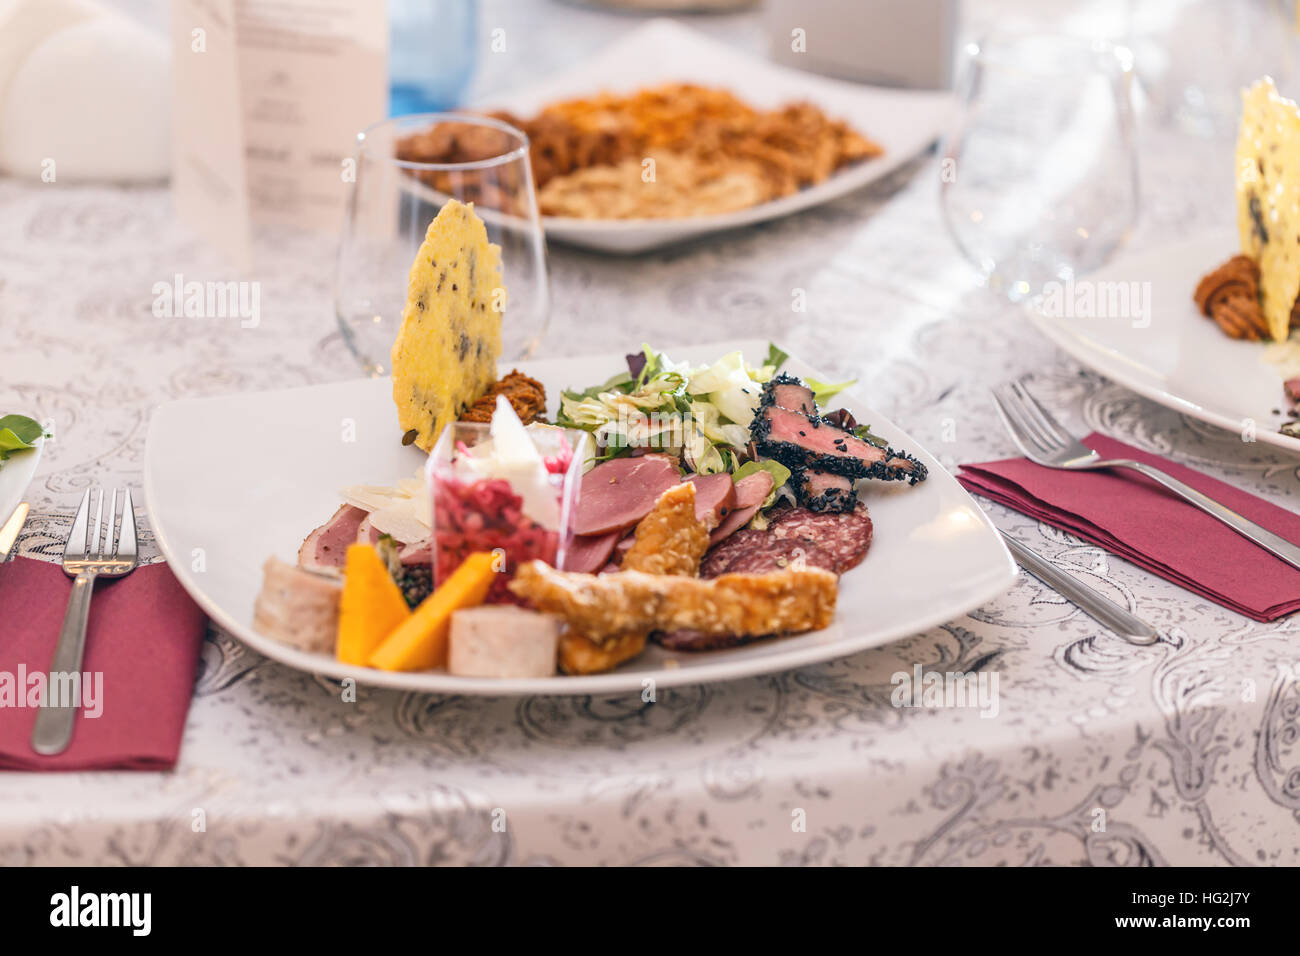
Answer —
431 55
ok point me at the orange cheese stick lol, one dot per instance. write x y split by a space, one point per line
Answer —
420 642
370 608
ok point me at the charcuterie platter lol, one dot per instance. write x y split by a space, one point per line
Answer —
591 525
933 555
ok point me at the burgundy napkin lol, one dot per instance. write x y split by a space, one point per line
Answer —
144 640
1132 516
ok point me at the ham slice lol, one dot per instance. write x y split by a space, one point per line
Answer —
616 494
751 492
715 497
732 523
326 548
417 552
589 553
367 533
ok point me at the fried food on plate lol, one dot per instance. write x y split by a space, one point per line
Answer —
669 540
682 186
795 599
713 152
579 654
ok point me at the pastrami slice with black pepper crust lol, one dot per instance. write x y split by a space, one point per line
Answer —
786 391
805 441
823 491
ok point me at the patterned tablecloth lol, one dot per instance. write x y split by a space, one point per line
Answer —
1104 753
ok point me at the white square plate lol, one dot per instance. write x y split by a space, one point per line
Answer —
1174 355
232 480
903 122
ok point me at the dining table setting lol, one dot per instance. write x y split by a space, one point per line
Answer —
980 547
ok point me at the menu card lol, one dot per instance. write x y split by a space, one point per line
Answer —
269 96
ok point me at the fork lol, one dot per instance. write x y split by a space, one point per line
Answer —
1043 441
85 558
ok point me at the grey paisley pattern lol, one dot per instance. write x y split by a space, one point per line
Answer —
1103 754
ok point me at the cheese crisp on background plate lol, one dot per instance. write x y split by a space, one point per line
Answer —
1172 354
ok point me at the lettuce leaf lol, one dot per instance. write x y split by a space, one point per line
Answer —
825 390
779 472
18 433
775 356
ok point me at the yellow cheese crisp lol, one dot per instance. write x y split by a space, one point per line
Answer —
1268 198
446 351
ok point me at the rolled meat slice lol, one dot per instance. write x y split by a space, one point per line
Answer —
616 494
298 607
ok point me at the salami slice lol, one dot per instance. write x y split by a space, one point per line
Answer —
699 641
758 552
845 535
834 541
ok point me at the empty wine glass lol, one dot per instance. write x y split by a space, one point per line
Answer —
394 198
1039 179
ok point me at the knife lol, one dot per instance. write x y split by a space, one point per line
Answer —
1091 602
9 533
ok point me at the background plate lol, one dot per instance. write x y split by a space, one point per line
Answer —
15 475
1180 359
219 510
904 122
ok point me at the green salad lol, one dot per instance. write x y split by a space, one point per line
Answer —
18 433
701 414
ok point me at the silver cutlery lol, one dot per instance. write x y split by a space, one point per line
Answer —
1043 441
9 530
85 558
1100 608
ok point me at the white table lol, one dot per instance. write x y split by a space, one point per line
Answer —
1161 739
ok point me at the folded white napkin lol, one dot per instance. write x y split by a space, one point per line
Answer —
84 93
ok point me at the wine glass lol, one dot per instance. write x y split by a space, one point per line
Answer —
397 193
1039 179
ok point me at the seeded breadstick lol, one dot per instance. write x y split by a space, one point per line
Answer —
796 599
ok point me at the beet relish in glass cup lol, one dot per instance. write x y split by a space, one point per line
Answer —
504 488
